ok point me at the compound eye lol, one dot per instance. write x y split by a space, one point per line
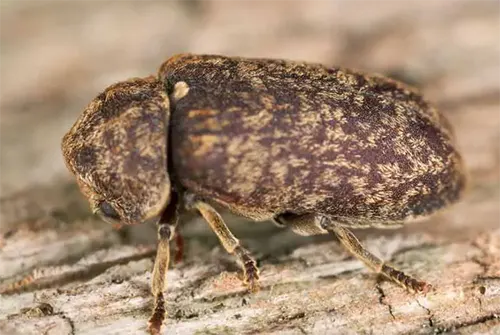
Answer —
107 212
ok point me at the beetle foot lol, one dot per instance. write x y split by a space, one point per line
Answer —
250 270
252 279
419 286
408 282
158 316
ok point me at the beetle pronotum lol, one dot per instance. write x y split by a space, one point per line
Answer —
314 148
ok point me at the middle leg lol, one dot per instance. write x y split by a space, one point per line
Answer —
228 241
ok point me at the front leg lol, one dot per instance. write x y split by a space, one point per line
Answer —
166 232
228 240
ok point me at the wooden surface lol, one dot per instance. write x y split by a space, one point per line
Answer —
79 276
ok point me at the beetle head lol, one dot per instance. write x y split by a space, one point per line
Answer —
117 150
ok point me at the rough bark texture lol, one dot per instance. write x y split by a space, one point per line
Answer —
83 277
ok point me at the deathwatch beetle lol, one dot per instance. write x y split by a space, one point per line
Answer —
314 148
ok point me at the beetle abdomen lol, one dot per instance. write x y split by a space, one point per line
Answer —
267 137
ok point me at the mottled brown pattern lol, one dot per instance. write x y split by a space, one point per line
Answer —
314 147
118 150
264 137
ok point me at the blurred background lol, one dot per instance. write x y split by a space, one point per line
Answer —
56 56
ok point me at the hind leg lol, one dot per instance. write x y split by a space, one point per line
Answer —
311 224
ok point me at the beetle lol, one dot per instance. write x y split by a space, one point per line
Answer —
314 148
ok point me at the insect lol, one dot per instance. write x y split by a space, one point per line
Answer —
313 148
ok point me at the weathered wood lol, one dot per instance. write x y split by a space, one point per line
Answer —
79 276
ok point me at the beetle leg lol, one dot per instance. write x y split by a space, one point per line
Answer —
357 249
159 282
229 242
311 224
305 225
166 232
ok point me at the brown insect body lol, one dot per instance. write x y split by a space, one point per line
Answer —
265 137
314 148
